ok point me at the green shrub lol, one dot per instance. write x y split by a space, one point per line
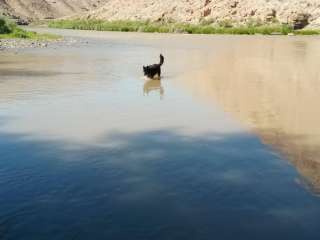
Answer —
6 26
224 27
207 21
225 23
9 29
307 32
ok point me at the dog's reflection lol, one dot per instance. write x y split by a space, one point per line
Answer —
153 85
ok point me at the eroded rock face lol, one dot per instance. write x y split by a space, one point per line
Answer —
300 13
47 9
284 11
315 24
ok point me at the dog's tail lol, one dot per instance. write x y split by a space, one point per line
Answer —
161 59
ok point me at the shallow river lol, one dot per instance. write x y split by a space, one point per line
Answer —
225 146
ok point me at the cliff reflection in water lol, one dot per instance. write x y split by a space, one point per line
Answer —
272 86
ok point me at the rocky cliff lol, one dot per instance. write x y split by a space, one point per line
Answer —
306 12
47 9
302 12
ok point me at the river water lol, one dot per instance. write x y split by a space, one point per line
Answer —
225 146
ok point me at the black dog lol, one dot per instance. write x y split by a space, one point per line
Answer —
154 71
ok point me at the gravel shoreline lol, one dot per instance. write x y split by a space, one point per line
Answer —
15 44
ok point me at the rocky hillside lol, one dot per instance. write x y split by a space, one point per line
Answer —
304 12
47 9
307 12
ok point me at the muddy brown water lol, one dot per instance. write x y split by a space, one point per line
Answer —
226 144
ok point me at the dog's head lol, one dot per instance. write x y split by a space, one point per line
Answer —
145 70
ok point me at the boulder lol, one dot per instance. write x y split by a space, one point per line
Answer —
271 15
21 21
300 20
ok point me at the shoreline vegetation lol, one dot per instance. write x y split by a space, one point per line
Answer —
224 27
10 30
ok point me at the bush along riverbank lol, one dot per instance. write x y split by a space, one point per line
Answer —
9 29
14 37
173 27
